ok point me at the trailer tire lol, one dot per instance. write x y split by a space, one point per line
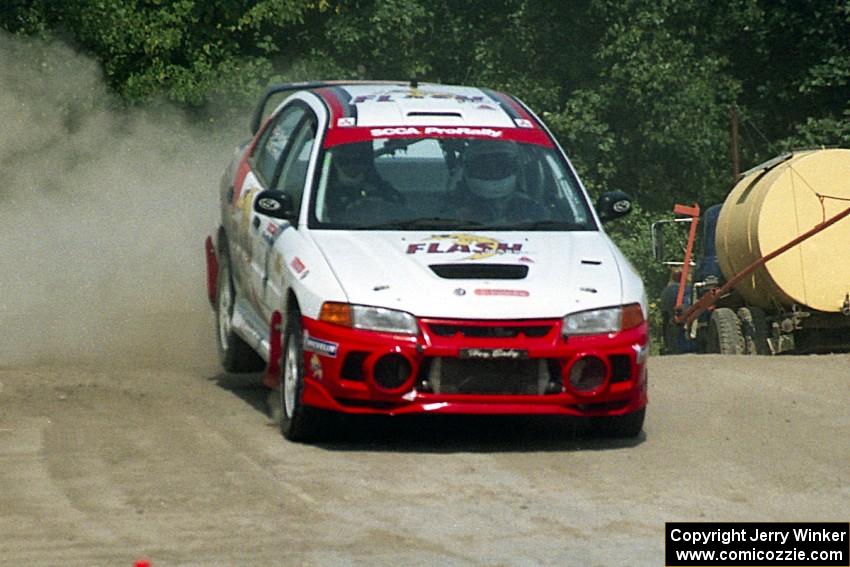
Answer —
670 334
724 333
754 329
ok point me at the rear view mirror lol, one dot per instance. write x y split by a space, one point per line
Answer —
277 205
613 205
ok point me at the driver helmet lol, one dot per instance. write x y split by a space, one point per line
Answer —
491 168
352 161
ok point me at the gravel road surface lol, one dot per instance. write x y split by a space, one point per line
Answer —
107 461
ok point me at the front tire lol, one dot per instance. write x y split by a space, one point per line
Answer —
298 422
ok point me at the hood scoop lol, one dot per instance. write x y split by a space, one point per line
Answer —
469 271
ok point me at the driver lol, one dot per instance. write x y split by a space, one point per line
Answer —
353 179
490 185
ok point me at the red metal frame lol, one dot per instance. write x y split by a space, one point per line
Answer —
692 212
708 300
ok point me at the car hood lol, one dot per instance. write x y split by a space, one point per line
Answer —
463 275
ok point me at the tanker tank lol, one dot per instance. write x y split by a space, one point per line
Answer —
768 208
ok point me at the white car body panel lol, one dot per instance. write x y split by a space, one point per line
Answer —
567 272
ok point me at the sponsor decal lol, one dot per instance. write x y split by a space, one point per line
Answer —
460 292
271 232
316 367
268 204
479 247
297 265
523 123
324 348
622 206
244 232
446 132
336 136
346 122
398 94
502 292
493 353
526 259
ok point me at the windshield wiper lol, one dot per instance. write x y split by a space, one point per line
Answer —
424 222
537 225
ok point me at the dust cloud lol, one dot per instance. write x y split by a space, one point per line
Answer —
103 214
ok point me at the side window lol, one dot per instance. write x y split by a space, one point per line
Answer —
273 142
566 192
293 176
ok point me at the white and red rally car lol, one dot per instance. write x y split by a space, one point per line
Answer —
394 248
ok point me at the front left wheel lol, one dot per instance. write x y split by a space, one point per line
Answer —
298 422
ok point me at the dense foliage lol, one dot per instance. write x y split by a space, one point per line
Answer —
639 91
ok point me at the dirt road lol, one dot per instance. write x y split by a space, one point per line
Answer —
110 461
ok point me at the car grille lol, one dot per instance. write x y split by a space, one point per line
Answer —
530 376
489 331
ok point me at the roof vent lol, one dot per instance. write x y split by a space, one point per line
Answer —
480 271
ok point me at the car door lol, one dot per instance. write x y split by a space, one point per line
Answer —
264 162
268 254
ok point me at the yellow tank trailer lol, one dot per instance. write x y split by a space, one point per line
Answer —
767 209
772 272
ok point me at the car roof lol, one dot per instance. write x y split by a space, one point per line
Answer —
399 108
395 103
405 104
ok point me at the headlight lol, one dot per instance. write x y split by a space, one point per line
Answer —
605 320
369 318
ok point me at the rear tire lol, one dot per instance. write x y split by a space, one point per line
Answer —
234 353
298 422
626 426
754 329
724 333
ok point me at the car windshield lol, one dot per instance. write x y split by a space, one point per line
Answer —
450 184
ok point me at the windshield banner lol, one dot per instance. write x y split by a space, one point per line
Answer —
337 136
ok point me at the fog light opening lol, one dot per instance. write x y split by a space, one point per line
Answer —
391 371
588 374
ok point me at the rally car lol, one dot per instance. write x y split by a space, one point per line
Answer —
397 248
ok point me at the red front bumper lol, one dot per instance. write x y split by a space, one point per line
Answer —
340 366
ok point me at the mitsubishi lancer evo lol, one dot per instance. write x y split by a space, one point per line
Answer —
401 248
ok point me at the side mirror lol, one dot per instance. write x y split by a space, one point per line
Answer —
277 205
613 205
658 241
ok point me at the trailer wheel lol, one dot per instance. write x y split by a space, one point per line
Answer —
754 329
724 333
670 335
